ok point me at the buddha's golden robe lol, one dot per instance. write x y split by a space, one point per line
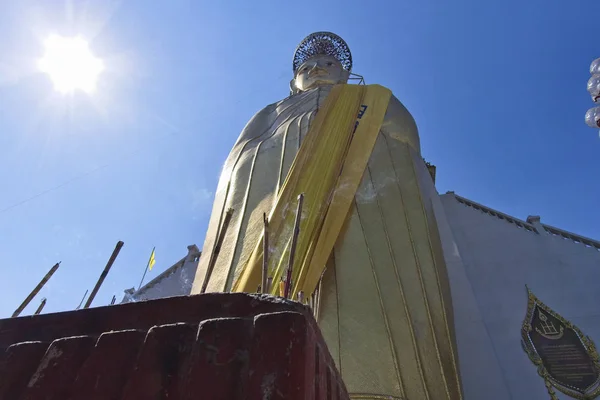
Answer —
384 303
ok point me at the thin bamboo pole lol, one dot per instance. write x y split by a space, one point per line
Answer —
111 260
36 290
40 307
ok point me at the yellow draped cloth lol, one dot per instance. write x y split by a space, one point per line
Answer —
328 169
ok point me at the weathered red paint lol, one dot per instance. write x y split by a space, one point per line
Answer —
213 346
107 369
58 369
18 365
220 356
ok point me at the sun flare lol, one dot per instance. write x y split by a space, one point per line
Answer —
70 64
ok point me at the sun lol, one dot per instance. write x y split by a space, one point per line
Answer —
70 64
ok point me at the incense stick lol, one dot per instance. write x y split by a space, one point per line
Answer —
265 267
82 299
288 282
40 307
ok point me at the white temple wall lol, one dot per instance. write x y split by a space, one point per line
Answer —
498 259
480 371
471 335
175 281
178 283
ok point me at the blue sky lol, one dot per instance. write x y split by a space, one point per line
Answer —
497 90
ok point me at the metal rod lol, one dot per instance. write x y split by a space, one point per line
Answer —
82 299
40 307
216 250
269 284
36 290
113 300
288 281
111 260
265 266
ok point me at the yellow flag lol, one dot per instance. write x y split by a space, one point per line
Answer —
151 261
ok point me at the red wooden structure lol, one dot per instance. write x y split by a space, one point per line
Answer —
211 346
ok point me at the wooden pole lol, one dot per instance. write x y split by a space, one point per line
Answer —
36 290
111 260
40 307
288 281
216 250
265 267
82 299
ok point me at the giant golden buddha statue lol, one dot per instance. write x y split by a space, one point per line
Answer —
383 299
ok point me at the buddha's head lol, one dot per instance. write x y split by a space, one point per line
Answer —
322 58
319 70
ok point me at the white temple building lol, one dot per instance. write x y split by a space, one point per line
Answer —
176 280
490 257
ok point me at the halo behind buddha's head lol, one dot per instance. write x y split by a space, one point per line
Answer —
323 43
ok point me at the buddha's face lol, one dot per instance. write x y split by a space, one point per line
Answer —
320 70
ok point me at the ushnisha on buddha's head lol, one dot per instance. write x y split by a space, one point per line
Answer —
322 58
